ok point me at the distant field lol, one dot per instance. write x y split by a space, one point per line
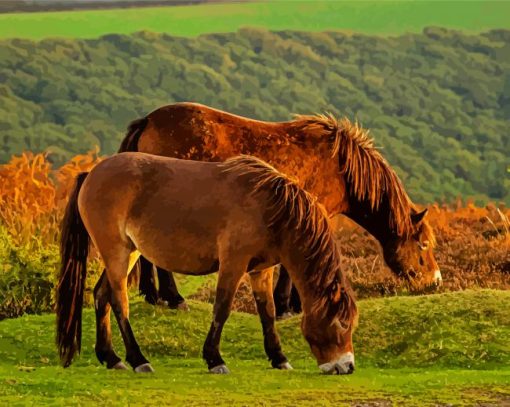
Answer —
368 16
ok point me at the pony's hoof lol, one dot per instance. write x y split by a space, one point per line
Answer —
220 369
119 366
285 315
285 366
183 306
145 368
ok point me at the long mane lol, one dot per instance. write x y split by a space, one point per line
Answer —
292 209
370 176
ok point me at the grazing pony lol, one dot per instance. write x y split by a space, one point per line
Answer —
240 216
334 160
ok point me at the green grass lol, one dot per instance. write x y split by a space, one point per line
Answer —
446 348
377 17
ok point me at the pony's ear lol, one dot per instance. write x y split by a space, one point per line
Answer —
416 218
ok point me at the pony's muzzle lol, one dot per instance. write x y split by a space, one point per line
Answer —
341 366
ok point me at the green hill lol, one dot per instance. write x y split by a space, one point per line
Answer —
439 349
438 103
375 17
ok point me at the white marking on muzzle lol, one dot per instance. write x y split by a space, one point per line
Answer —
340 366
438 278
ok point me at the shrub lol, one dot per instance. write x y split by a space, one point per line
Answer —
32 199
27 276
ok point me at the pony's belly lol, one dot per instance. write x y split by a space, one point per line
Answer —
205 266
200 268
183 256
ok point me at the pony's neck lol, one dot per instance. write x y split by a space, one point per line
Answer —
374 221
310 278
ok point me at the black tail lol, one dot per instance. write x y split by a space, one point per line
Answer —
74 249
134 131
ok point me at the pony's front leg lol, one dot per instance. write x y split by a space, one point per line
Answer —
228 281
262 286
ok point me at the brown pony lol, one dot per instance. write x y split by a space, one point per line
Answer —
198 218
334 160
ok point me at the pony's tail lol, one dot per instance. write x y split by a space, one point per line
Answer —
134 131
74 248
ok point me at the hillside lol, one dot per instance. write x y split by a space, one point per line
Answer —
438 103
429 350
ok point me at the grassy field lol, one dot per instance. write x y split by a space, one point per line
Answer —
442 349
386 17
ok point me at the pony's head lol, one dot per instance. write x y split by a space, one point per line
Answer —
412 256
328 329
379 203
374 197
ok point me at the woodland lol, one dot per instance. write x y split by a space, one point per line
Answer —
436 103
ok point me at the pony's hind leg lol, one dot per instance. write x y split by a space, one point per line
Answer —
104 348
228 281
262 286
282 293
117 272
168 290
147 286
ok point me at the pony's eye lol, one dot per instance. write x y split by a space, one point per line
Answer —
424 246
341 325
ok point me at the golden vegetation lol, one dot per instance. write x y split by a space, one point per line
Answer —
32 200
473 247
33 195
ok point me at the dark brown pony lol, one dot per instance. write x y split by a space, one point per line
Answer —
333 159
237 217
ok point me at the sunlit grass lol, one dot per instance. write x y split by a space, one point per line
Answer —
448 348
